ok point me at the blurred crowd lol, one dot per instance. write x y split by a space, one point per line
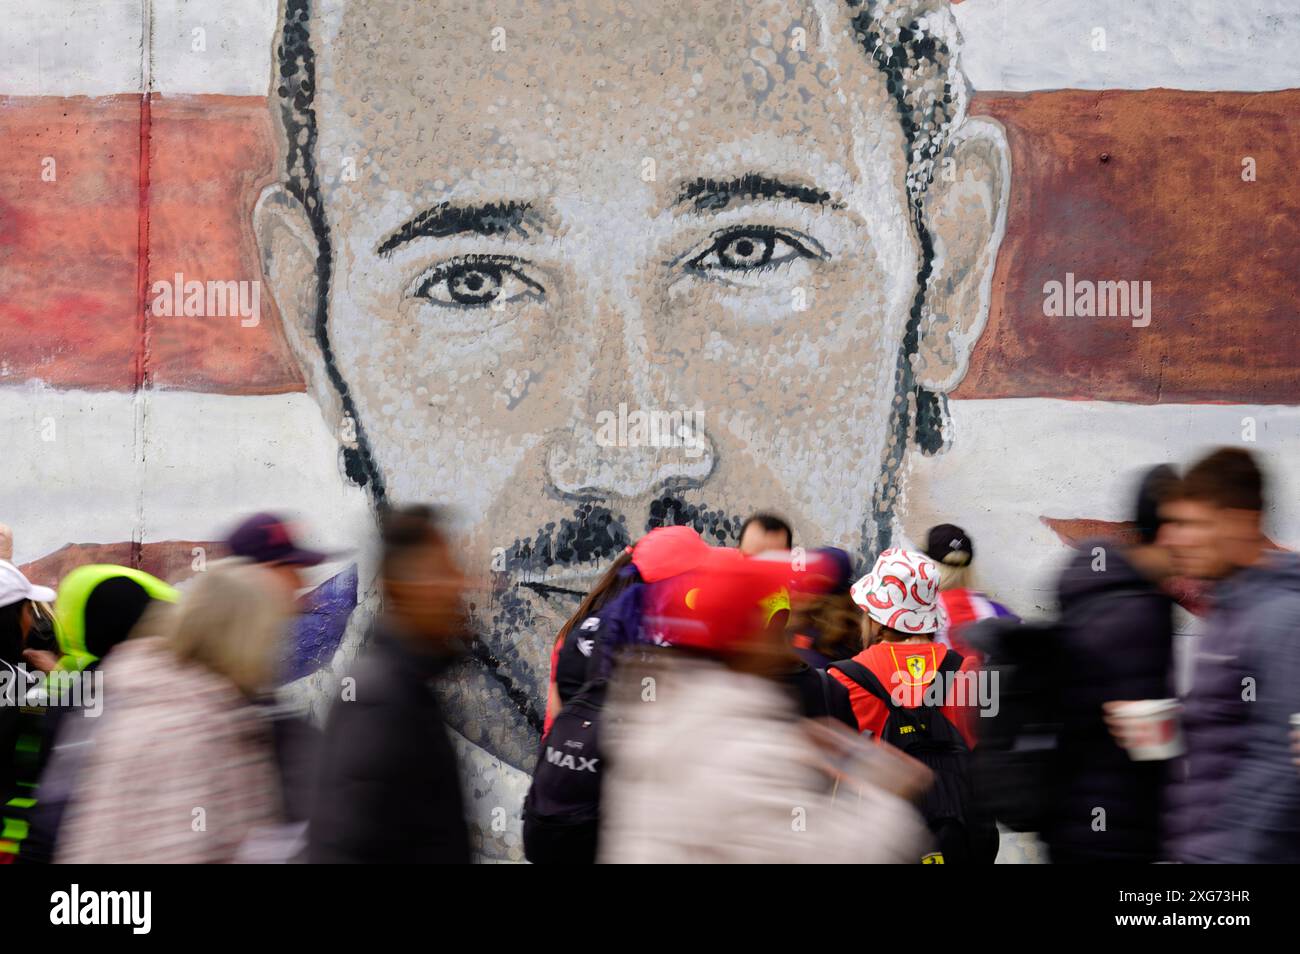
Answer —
763 702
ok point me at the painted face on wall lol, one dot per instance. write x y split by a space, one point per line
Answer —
603 266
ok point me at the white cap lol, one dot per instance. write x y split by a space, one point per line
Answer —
902 592
14 587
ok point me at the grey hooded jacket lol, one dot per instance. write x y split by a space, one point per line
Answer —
1236 793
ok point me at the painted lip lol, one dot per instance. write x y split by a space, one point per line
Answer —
567 583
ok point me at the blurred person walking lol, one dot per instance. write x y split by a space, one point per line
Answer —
20 718
1115 642
96 609
183 771
715 765
561 812
269 542
1235 795
610 614
389 785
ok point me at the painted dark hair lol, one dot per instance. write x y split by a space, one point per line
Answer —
296 92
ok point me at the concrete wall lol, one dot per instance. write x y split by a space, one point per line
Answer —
451 251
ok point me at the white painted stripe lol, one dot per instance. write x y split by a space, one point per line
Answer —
236 36
209 459
1180 44
1013 461
70 47
93 47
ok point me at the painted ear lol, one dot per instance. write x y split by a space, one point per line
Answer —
965 212
289 252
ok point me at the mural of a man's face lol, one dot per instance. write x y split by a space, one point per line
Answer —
545 218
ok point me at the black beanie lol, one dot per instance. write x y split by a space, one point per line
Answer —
1153 488
112 610
950 544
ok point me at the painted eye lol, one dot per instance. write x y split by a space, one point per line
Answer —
750 249
477 283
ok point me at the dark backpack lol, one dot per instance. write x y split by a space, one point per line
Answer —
562 808
964 831
1016 760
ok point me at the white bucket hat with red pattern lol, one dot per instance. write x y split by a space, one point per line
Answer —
901 592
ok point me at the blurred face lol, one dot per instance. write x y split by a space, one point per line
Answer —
1154 559
767 653
1198 536
288 578
425 592
756 540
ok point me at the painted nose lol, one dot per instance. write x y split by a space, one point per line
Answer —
629 451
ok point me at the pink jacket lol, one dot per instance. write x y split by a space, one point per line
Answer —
181 770
707 765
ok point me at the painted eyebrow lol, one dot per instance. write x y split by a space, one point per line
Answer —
713 195
446 218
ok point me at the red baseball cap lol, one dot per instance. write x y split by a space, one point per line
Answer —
667 551
727 598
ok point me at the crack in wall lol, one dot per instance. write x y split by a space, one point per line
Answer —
142 381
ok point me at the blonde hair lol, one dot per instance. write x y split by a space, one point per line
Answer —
954 577
230 620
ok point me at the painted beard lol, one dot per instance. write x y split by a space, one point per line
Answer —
497 696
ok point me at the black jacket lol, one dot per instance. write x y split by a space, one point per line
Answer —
389 781
1117 644
819 695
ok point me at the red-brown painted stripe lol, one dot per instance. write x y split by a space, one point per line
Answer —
201 217
73 287
68 248
1168 206
1075 531
170 560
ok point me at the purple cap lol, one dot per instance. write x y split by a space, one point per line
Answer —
842 564
265 538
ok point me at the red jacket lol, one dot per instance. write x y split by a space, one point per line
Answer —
911 666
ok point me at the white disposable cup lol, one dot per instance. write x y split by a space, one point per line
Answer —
1152 728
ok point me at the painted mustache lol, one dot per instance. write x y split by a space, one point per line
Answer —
596 534
587 540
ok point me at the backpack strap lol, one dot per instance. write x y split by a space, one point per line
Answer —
951 662
824 678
